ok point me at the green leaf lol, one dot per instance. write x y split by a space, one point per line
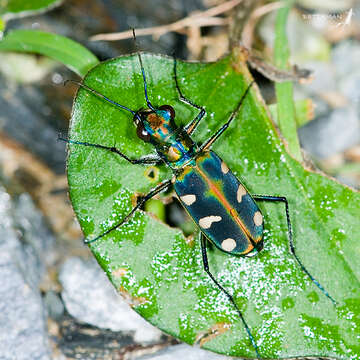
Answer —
10 9
155 207
161 270
2 27
73 55
304 110
284 91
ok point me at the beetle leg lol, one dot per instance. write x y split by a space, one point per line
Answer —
207 144
207 270
192 125
144 160
159 188
291 241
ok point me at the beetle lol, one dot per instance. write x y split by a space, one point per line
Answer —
225 212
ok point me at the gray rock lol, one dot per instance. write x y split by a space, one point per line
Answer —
89 297
333 130
55 306
350 87
23 330
26 118
331 134
324 77
346 57
184 351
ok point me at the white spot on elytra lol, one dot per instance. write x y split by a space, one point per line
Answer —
207 221
228 244
224 168
240 193
258 218
188 199
172 152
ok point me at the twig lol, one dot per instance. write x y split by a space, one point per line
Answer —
255 61
247 35
276 74
203 18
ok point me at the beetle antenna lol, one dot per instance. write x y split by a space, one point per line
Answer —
96 93
142 72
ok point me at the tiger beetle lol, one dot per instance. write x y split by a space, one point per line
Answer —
226 214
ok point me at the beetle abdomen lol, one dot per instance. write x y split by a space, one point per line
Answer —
220 205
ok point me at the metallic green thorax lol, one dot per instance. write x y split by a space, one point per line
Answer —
172 143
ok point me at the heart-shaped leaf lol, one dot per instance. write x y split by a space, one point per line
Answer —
161 272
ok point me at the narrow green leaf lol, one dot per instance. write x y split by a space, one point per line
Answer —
284 91
72 54
156 207
304 110
10 9
161 270
2 27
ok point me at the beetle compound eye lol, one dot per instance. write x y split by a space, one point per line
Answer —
169 109
142 133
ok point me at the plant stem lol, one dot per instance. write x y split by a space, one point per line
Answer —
284 91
